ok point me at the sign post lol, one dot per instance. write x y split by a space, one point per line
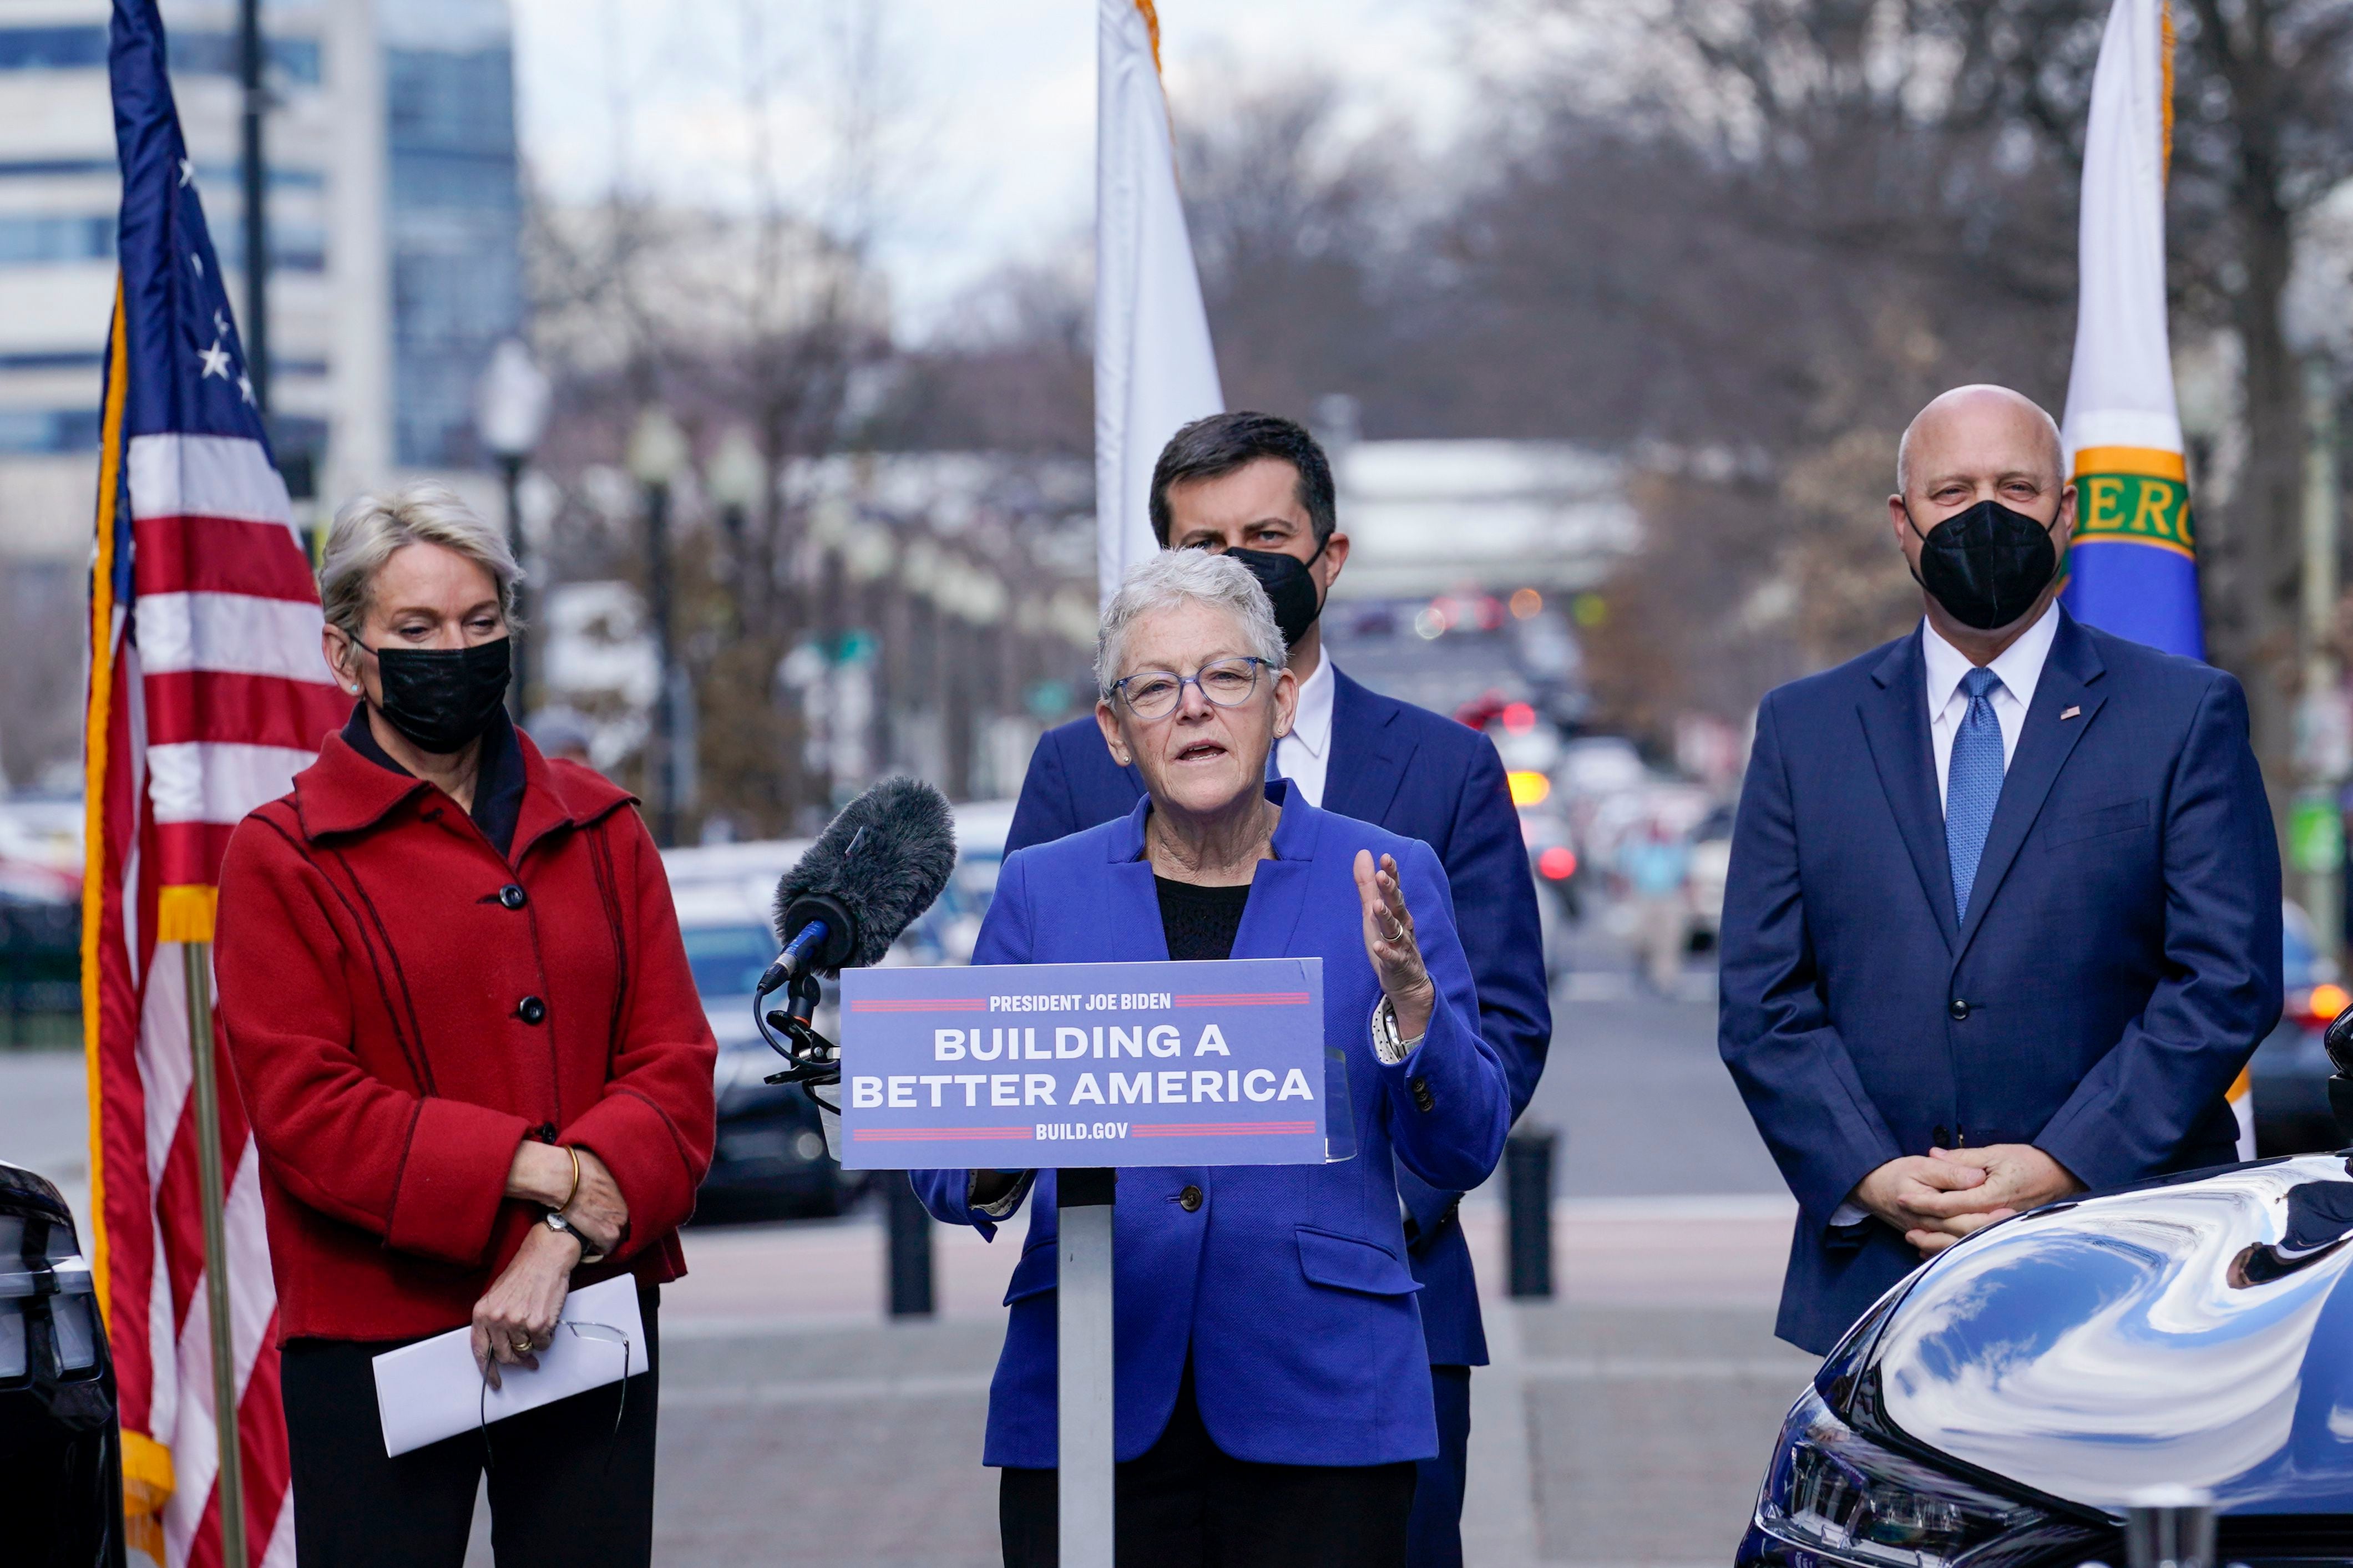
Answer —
1082 1391
1082 1068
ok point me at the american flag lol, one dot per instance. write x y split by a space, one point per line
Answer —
207 693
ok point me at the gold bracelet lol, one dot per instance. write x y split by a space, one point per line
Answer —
575 1179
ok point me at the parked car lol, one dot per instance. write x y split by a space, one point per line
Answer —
1710 865
40 920
1559 877
2289 1074
1998 1409
770 1158
61 1448
1598 765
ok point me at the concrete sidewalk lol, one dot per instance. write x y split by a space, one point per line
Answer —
1628 1422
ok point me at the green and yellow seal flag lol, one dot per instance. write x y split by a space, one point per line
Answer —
2138 495
2133 564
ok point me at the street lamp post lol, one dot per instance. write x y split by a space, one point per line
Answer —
252 175
657 451
509 415
739 483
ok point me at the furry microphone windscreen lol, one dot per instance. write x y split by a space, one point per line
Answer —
885 860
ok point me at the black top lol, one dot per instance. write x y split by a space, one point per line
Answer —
1200 922
497 788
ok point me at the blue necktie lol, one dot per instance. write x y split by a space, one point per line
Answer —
1972 784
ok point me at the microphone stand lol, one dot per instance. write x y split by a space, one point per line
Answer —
1084 1375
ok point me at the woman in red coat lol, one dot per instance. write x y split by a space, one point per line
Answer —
453 989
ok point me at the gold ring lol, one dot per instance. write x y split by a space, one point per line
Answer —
519 1344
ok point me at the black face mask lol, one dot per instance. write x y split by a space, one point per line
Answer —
442 699
1290 587
1987 565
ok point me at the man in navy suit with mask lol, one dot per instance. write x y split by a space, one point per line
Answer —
2003 917
1259 488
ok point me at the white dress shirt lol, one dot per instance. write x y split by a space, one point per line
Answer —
2019 667
2020 670
1303 755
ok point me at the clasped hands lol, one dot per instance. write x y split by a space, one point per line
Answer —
516 1318
1938 1198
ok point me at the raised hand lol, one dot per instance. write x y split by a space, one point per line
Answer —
1390 943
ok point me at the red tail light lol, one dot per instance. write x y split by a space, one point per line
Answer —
1559 863
2319 1007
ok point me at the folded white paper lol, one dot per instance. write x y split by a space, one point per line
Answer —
433 1390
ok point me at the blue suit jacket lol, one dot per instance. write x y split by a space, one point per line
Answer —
2119 961
1288 1287
1424 776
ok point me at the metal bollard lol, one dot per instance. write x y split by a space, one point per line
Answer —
911 1248
1527 1190
2170 1527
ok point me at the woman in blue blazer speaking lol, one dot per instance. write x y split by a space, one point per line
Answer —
1272 1389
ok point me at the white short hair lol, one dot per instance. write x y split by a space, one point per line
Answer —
1174 577
369 527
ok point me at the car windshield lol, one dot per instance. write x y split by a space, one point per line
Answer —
728 960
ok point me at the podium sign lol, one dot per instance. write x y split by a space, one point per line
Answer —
1038 1065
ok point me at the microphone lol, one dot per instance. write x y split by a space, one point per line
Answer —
876 867
880 863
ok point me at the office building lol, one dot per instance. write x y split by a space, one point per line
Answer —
395 222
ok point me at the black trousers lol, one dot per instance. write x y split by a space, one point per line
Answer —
1183 1504
566 1489
1434 1539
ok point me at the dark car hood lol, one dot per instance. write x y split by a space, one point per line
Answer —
2199 1332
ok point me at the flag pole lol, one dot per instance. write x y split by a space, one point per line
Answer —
206 1092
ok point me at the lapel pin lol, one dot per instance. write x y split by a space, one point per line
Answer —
2067 714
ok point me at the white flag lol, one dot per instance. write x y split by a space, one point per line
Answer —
2133 565
1155 369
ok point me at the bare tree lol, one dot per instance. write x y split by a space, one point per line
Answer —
1296 222
1742 243
761 319
1017 375
2264 128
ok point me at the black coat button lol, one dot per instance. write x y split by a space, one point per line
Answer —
531 1011
1189 1199
1942 1139
511 896
1959 1009
1422 1099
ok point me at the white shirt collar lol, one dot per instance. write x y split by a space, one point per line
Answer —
1310 726
2019 666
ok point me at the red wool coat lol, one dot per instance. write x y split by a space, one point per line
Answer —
403 1007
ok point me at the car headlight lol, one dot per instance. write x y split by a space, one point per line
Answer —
1836 1494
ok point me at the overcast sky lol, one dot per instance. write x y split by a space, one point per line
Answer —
989 104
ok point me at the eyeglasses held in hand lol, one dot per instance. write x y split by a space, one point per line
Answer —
1225 683
604 1333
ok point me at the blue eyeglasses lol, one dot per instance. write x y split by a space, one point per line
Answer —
1224 683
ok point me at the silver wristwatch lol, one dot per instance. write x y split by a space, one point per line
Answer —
1387 1043
561 1227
